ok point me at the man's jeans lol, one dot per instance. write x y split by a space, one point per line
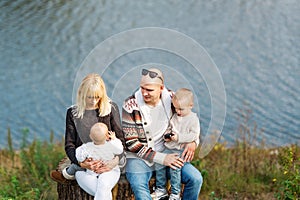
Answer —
138 173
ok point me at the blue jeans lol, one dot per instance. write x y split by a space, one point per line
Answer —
138 173
73 168
164 173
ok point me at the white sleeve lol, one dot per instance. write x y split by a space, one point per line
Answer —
81 153
117 146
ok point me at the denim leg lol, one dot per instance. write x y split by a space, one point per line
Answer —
74 168
138 173
175 180
161 176
192 178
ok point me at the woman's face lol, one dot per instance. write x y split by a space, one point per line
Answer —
92 102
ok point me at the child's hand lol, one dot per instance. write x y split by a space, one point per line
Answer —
110 136
171 137
174 137
167 137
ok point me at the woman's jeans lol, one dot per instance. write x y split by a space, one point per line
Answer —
138 173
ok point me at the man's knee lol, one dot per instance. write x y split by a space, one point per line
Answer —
136 179
191 175
196 178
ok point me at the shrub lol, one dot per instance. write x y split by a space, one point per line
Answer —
25 172
289 184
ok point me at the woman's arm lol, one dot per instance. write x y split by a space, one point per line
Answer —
71 137
115 122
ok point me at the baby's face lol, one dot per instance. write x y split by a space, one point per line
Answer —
182 109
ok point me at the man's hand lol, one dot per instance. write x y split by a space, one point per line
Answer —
189 151
173 160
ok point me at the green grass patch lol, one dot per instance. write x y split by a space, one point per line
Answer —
245 170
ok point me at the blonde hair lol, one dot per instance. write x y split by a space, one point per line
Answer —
184 96
92 85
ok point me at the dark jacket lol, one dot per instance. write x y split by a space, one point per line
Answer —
72 139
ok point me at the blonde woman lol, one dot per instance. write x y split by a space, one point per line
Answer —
92 106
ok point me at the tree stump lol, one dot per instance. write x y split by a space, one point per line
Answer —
71 190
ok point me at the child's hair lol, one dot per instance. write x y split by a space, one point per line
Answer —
184 96
98 132
92 85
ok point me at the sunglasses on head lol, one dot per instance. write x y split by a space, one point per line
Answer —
151 74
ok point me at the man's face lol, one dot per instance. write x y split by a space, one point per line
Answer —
151 93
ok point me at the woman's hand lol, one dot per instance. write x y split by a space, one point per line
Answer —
91 164
113 163
173 160
99 166
103 168
189 151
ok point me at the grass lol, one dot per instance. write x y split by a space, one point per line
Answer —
248 169
244 170
24 173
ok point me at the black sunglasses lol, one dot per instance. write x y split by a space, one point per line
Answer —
151 74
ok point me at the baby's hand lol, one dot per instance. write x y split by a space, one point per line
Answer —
110 135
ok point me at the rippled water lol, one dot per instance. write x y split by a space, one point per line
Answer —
255 44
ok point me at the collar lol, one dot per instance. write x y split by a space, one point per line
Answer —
165 100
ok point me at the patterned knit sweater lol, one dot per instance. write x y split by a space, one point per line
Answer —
136 141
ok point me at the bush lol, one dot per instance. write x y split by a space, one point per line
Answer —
289 184
25 172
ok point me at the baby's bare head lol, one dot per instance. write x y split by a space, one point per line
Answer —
98 133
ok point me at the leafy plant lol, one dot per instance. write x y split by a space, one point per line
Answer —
27 175
289 187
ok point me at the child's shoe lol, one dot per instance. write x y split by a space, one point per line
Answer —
159 194
174 197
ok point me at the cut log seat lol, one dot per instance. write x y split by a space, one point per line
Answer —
71 190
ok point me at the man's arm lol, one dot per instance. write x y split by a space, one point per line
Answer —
133 128
134 135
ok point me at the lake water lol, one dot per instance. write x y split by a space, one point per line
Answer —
254 44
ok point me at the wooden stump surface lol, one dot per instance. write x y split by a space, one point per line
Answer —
72 191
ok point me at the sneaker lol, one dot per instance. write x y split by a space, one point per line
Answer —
174 197
57 176
159 194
